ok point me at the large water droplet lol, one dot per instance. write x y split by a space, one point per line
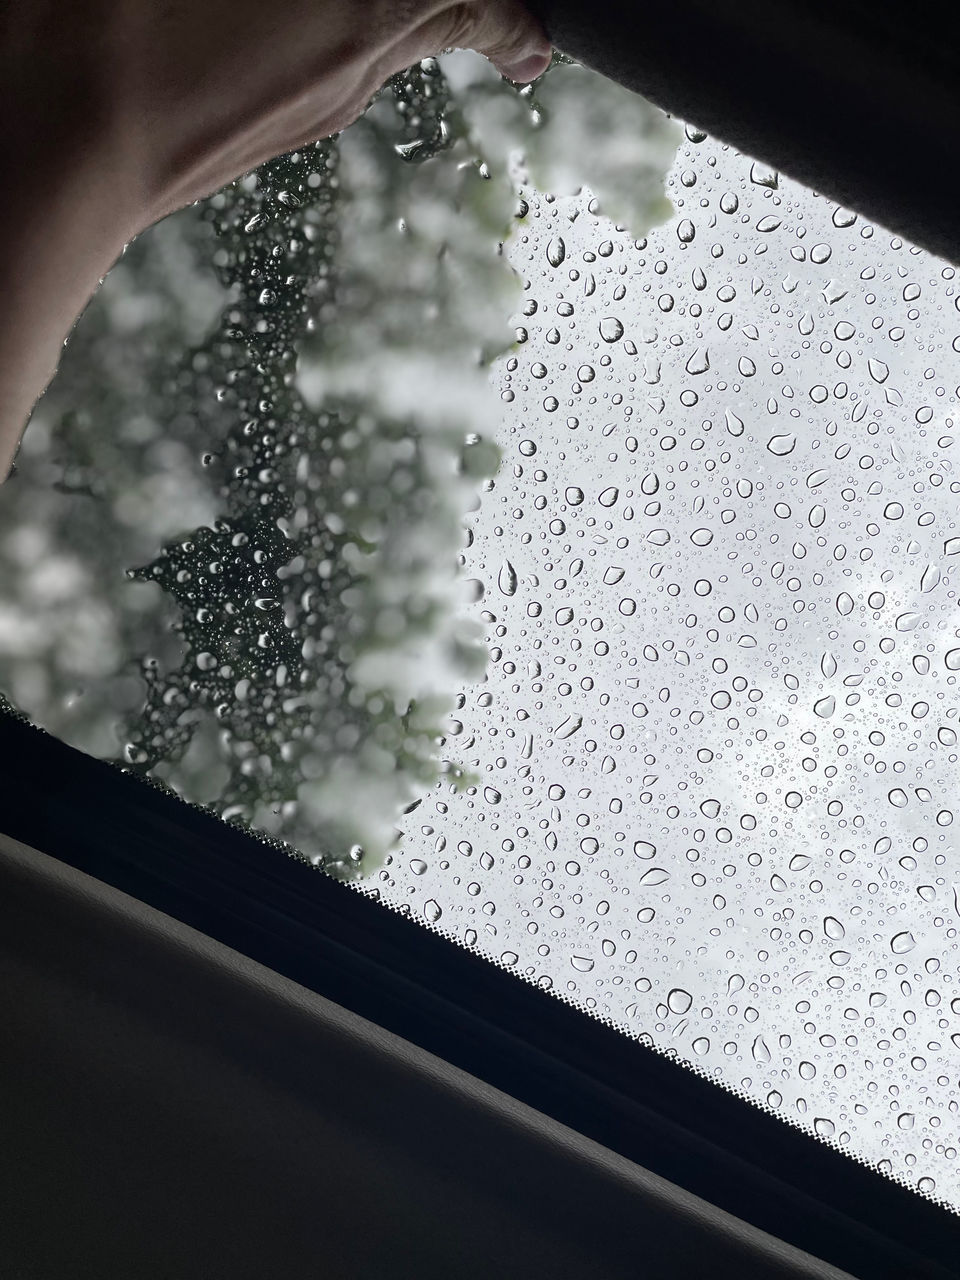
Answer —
699 362
679 1001
507 579
556 252
782 445
760 1050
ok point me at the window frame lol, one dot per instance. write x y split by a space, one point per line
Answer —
263 900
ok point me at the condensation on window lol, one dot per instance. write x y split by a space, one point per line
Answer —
699 776
717 741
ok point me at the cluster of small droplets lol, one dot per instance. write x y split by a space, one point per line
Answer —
718 738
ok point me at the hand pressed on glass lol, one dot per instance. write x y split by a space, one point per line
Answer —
120 111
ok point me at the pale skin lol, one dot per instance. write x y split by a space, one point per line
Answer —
117 112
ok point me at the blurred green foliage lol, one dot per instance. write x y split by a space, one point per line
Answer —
229 556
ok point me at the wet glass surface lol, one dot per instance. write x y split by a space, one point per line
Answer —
645 618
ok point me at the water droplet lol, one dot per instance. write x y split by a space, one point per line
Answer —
556 252
569 727
901 943
679 1001
573 496
656 875
611 330
432 910
878 370
782 445
908 621
507 579
699 362
760 1050
764 176
582 964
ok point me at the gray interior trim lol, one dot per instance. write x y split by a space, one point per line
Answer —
171 1108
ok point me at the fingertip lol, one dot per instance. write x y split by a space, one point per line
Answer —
527 67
